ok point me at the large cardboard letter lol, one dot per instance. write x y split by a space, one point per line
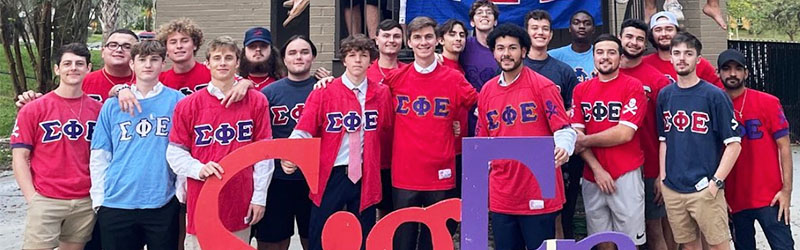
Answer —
211 234
534 152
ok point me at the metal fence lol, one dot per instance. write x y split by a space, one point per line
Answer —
775 69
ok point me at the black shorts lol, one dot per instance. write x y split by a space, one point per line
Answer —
347 4
133 228
286 200
386 203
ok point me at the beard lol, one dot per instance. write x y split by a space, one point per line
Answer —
246 67
662 47
517 64
685 72
738 83
629 55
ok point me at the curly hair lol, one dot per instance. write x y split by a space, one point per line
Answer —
183 25
358 42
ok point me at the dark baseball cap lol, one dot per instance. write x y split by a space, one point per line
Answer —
730 55
257 34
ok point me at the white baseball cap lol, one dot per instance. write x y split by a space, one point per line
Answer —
666 18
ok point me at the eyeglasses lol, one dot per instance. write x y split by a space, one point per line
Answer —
115 46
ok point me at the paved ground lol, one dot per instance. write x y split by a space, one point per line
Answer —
12 211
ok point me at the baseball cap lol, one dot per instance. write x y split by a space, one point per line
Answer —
670 19
730 55
257 34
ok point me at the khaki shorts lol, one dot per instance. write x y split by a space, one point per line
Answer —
52 220
699 210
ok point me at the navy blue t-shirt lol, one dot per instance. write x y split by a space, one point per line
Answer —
559 72
697 122
286 101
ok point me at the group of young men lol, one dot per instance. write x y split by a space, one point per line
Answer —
652 141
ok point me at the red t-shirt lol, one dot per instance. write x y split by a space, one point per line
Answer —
423 153
756 176
462 113
325 116
376 74
58 131
188 82
261 82
530 106
705 70
652 81
210 132
96 85
599 106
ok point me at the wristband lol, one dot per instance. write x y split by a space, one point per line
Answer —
123 87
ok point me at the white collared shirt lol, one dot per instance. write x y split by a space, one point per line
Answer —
502 80
343 156
425 70
153 92
217 92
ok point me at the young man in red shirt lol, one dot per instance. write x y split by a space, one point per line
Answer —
452 35
50 153
204 131
521 102
389 40
632 36
183 39
116 68
349 115
663 27
426 98
260 61
759 186
608 110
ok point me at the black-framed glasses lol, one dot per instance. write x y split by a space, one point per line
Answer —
115 46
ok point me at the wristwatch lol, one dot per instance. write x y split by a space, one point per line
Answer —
719 183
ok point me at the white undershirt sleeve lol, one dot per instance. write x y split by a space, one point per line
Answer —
182 162
98 164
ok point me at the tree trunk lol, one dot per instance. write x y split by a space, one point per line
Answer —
44 73
109 11
9 37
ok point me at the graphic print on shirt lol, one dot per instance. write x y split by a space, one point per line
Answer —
144 127
582 75
351 121
224 134
54 130
189 91
697 120
525 112
281 114
422 106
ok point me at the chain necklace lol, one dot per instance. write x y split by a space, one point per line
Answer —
744 100
80 110
112 82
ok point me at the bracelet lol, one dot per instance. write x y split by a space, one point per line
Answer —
124 86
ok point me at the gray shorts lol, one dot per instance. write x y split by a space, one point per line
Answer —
622 211
652 211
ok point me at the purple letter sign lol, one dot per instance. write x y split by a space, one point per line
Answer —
534 152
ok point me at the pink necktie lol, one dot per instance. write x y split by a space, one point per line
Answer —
354 168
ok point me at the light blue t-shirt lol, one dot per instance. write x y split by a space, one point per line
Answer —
582 63
138 176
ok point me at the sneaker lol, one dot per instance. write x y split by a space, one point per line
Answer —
674 7
622 1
